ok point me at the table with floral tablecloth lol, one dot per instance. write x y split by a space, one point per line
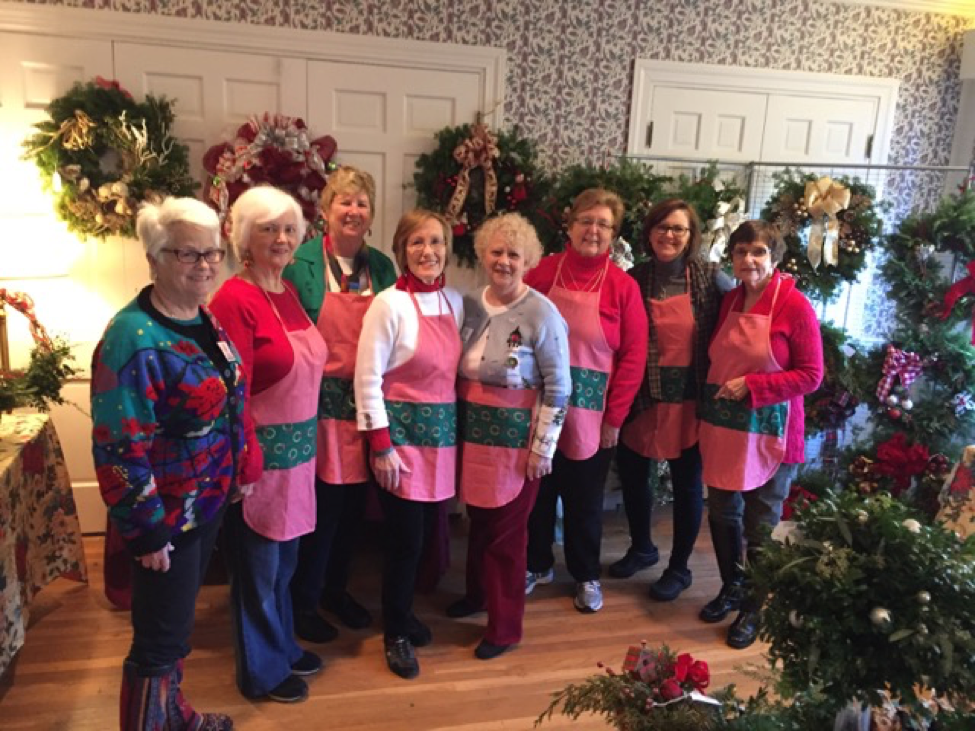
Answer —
40 538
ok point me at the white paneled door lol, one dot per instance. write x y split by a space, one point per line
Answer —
819 130
384 118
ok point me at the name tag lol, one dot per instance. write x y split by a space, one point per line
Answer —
227 351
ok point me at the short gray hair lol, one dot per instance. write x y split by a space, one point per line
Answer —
516 231
260 204
155 220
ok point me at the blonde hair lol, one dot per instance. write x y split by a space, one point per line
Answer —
262 203
410 222
592 197
155 220
516 232
346 180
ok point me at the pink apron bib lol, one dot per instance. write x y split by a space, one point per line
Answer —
342 450
495 426
590 362
741 448
282 505
421 401
669 427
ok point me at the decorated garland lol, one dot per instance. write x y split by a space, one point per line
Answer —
475 173
828 225
102 154
276 150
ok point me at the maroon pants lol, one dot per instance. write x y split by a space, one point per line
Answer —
497 554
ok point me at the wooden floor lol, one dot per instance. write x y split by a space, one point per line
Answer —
67 675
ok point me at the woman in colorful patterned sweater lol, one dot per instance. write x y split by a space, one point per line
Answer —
282 354
513 393
170 449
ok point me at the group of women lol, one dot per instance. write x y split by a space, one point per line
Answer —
315 373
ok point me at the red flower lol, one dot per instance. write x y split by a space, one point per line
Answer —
798 499
205 399
670 689
898 460
684 662
186 348
699 674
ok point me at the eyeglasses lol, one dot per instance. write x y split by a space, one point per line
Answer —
759 252
678 231
421 245
600 224
189 256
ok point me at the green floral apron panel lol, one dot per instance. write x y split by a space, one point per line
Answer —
287 445
336 399
677 384
495 426
588 389
422 425
767 420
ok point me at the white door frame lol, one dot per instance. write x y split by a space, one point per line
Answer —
488 63
649 74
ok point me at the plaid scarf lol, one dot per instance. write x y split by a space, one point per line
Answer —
705 302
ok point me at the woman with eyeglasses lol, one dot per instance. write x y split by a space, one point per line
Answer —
766 355
406 403
282 353
681 293
607 353
171 447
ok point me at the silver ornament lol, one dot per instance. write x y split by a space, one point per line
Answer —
892 400
880 617
907 404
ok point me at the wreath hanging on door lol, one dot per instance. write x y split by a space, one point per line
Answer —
101 154
828 225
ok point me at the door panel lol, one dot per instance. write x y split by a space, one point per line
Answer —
818 130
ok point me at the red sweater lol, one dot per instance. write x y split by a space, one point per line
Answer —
623 317
798 347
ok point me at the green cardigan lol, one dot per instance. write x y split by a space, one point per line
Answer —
307 273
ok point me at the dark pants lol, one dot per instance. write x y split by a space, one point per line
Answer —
325 554
407 525
496 560
163 603
753 509
580 485
685 472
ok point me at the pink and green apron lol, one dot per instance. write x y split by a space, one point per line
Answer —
421 403
670 426
741 447
590 363
495 426
282 505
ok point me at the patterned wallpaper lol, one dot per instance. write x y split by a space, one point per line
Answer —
570 63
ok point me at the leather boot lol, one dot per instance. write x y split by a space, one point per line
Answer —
727 549
744 630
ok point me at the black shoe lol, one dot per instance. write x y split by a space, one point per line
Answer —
670 584
419 634
350 613
401 658
311 627
744 630
463 607
308 664
290 690
488 650
727 601
632 562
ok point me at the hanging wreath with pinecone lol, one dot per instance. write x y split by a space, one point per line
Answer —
101 154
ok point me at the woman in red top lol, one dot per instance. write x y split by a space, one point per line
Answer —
608 334
766 354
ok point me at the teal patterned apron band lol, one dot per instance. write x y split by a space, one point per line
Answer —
767 420
588 388
677 384
286 446
422 425
336 399
495 426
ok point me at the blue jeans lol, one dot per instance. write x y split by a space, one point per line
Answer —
753 509
260 602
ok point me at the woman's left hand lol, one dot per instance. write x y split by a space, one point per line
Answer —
609 436
736 389
538 466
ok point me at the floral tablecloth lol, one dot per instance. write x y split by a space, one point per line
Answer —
40 538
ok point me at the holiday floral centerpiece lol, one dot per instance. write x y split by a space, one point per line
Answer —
656 690
276 150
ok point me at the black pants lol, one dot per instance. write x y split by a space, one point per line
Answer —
407 525
685 472
325 554
580 484
163 603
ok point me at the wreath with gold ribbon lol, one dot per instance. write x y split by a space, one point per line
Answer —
828 224
475 173
102 154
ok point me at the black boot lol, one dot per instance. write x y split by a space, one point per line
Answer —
744 630
727 549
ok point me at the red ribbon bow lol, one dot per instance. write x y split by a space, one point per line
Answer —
898 364
958 290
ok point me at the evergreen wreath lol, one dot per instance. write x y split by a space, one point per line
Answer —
499 170
102 154
842 213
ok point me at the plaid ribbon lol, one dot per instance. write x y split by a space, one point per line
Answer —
900 364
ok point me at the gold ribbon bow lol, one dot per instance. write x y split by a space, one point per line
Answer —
478 150
824 198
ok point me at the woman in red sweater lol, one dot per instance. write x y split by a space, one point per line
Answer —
766 354
608 334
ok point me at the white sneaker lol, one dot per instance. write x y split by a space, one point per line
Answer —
589 596
533 579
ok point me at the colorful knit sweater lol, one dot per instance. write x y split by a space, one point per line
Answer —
168 442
